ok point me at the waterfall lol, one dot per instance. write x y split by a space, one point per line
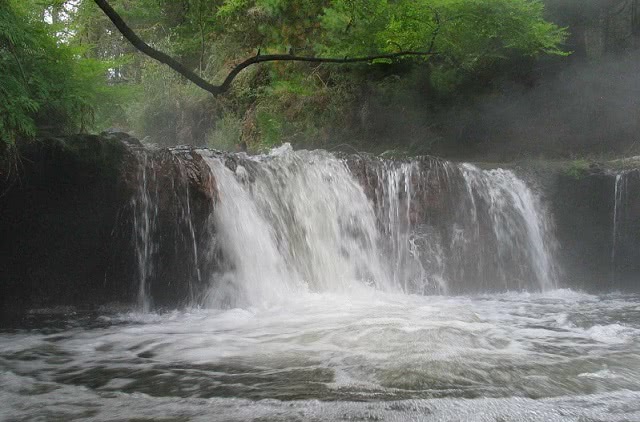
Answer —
171 204
186 230
294 221
291 222
302 224
145 205
453 228
414 253
618 215
255 270
522 236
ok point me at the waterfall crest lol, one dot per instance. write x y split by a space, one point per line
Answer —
309 221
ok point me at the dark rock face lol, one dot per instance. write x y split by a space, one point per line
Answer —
100 219
67 231
63 236
181 193
593 257
626 259
583 208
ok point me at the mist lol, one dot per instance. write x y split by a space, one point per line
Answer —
588 107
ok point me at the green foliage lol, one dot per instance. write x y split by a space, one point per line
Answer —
46 85
270 128
470 40
578 168
18 104
463 33
227 134
80 73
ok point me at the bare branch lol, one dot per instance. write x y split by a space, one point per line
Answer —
138 43
436 30
290 57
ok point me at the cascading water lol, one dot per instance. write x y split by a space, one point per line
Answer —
452 228
254 269
411 261
301 224
145 206
618 215
341 288
171 204
188 235
301 221
521 240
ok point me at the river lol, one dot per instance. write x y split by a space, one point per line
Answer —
368 291
555 356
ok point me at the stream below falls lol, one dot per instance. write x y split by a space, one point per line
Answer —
554 356
335 289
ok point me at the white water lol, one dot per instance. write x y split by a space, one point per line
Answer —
145 214
256 270
302 225
554 356
414 253
519 224
618 214
322 308
292 222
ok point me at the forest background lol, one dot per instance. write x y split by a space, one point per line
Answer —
499 79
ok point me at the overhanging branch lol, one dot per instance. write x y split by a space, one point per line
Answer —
145 48
293 58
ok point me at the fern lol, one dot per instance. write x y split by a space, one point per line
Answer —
46 84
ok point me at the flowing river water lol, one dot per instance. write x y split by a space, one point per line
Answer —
338 299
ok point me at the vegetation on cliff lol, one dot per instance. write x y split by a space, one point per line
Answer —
70 70
47 84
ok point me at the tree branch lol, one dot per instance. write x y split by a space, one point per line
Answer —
290 57
138 43
436 30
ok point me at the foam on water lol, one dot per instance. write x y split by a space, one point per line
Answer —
296 221
327 304
558 355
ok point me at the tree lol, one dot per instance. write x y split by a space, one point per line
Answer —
465 33
45 85
434 48
137 42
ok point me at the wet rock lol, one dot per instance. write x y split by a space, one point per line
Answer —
63 225
595 255
67 228
72 232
